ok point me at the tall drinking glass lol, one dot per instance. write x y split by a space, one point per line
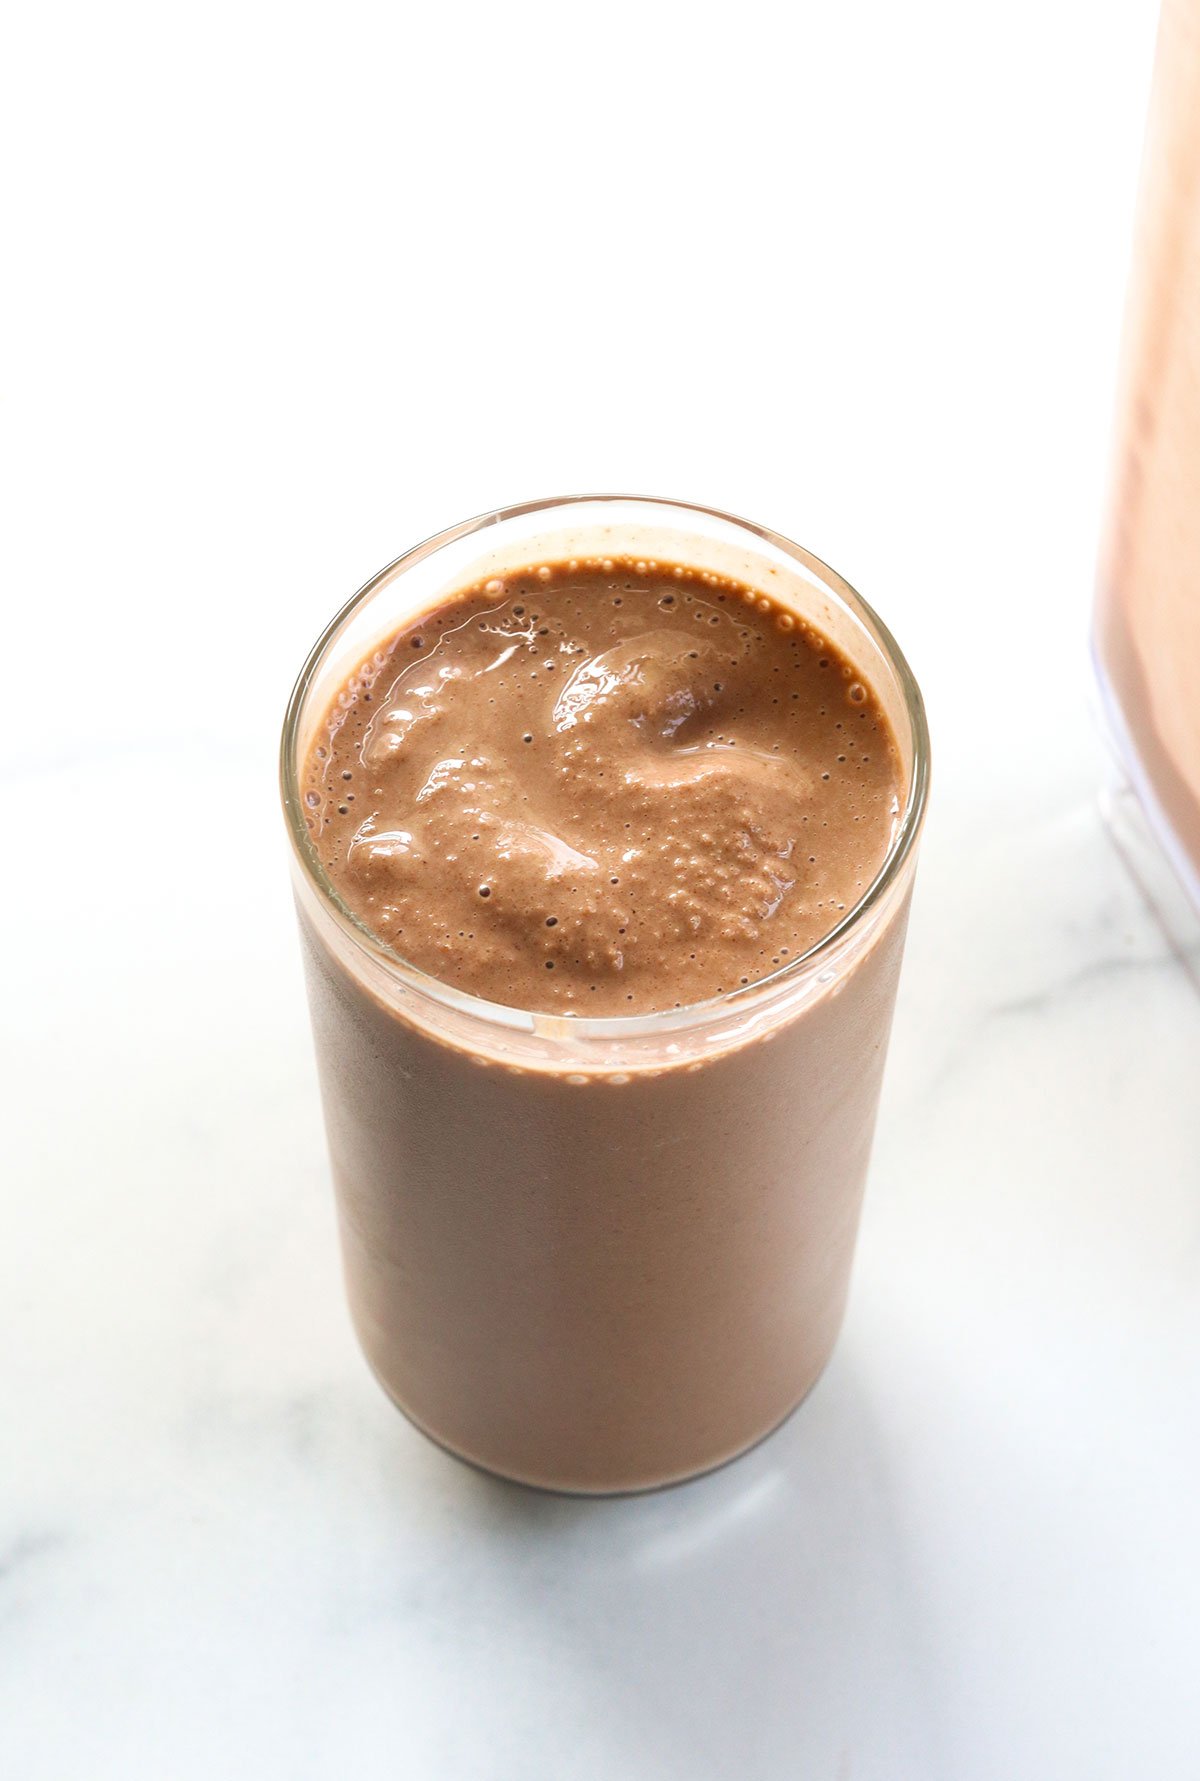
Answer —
601 1254
1147 631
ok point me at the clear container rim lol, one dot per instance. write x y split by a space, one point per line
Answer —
663 1022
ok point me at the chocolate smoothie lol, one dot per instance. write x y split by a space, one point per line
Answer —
603 790
581 1251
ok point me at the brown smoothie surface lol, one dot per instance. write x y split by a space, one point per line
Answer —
603 787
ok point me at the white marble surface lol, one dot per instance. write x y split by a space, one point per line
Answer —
245 379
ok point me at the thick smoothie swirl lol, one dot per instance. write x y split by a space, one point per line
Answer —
603 787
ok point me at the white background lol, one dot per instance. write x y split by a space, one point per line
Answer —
286 290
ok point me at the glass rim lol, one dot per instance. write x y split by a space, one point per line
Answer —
746 997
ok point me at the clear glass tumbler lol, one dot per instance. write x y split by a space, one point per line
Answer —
601 1254
1147 629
